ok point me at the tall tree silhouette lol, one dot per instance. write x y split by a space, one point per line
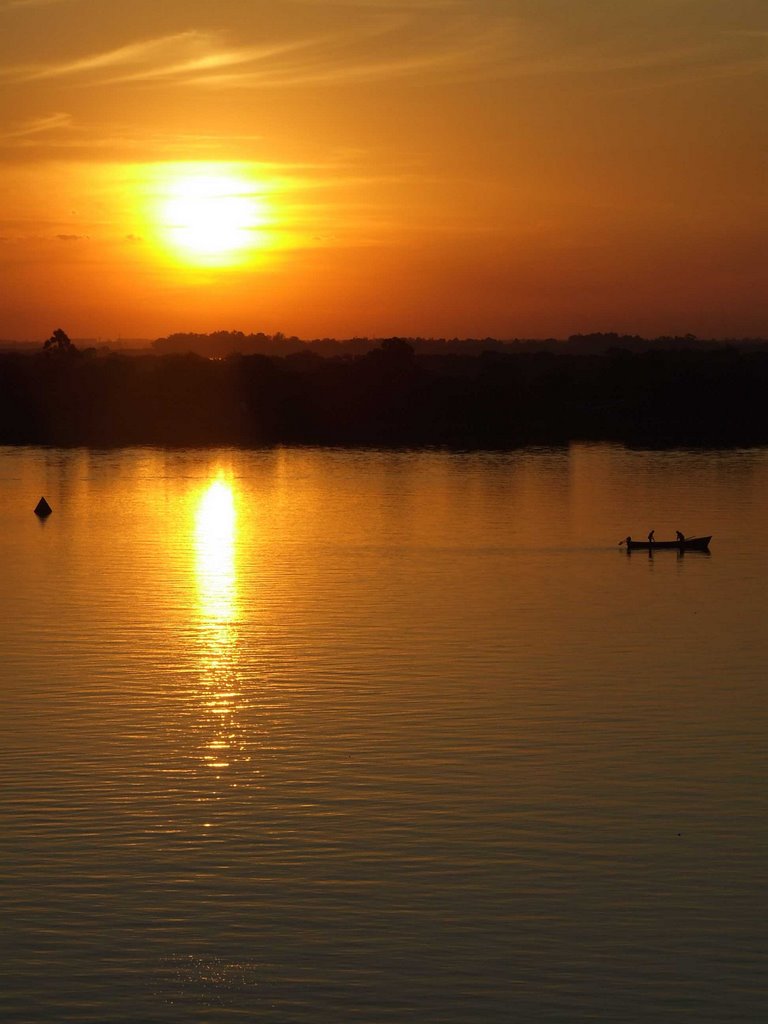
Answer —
59 341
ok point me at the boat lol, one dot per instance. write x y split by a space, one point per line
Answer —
689 544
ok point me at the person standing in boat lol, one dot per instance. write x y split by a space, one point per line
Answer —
651 537
680 537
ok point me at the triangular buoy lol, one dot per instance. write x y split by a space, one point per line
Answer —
42 508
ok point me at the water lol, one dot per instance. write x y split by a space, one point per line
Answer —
321 736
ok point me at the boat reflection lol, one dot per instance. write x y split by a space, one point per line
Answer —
679 552
215 532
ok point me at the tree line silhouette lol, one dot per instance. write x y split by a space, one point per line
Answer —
221 344
393 392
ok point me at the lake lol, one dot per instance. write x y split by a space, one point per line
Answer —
310 735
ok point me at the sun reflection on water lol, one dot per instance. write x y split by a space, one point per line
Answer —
215 529
218 611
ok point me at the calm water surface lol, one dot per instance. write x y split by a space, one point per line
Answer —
321 736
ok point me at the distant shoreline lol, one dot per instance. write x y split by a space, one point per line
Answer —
389 396
221 344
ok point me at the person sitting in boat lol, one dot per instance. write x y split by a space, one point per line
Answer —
680 537
650 536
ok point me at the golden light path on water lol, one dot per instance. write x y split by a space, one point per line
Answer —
215 526
215 535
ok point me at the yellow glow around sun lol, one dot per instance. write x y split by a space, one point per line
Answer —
211 214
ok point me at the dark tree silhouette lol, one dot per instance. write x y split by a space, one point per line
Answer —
668 393
59 342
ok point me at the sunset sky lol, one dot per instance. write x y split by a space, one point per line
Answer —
465 168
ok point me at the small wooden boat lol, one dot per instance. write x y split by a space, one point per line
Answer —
689 544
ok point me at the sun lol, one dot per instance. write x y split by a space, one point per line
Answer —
212 215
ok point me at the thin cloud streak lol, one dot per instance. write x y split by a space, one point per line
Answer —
195 57
457 50
202 59
152 50
38 126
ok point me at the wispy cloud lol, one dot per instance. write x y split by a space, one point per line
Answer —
499 51
381 48
388 43
37 127
171 57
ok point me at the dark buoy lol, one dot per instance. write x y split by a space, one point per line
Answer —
43 509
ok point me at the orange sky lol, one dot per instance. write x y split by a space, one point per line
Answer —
368 167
